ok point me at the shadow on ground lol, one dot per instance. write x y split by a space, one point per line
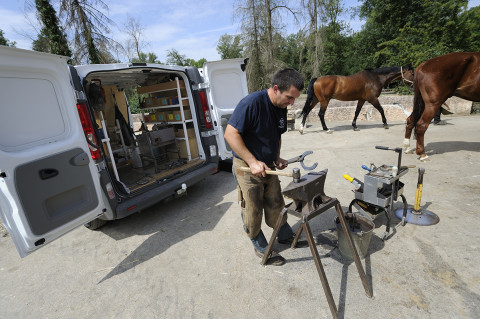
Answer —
360 126
197 212
453 146
326 240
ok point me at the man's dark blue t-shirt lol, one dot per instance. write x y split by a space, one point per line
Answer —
261 124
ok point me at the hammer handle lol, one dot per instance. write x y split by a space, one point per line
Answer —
267 171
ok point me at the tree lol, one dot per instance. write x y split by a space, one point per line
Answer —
198 64
289 50
41 43
90 27
5 41
335 42
470 34
249 15
443 28
384 19
229 47
135 43
51 34
313 46
174 57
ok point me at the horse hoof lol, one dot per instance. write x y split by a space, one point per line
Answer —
408 150
329 131
424 159
301 130
356 129
385 126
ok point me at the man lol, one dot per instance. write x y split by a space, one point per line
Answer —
436 118
254 134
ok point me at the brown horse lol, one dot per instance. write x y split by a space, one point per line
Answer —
437 79
363 86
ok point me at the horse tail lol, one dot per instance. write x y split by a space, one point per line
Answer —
418 104
310 93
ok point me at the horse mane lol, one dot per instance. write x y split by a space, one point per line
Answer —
385 70
310 92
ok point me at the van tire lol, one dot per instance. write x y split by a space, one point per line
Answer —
225 166
95 224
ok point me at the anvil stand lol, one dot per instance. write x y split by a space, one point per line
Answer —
309 201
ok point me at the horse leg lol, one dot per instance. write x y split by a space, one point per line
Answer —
304 119
421 128
408 134
360 104
379 108
321 114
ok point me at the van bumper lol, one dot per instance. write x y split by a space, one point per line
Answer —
158 194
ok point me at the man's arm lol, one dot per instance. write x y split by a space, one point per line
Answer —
235 140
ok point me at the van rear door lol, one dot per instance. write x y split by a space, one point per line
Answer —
226 86
49 183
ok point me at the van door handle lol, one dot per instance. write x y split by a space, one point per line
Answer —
48 173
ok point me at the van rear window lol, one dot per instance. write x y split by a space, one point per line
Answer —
30 112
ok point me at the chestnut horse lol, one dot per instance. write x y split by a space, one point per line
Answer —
363 86
437 79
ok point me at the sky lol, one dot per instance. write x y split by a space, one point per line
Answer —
191 27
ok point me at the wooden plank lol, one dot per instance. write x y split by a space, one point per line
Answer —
160 87
166 173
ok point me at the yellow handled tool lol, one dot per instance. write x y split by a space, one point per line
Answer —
418 194
357 183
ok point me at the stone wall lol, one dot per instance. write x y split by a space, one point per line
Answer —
396 108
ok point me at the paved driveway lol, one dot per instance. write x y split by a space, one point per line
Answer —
189 258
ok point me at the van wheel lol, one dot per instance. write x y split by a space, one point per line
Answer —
225 166
95 224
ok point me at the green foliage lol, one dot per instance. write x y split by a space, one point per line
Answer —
194 63
51 35
4 41
42 43
229 47
176 58
149 57
90 27
403 89
436 29
289 50
132 99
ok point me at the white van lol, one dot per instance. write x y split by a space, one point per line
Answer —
71 154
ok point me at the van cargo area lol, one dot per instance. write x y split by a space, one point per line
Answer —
164 143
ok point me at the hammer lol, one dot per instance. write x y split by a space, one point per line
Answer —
295 173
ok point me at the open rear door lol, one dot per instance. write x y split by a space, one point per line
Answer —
49 184
226 86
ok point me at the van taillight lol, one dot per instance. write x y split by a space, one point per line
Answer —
206 111
88 130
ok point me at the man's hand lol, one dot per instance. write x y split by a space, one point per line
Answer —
281 163
258 168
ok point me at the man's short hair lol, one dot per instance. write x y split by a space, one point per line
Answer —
287 77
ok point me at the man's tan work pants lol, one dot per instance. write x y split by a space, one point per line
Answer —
259 194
